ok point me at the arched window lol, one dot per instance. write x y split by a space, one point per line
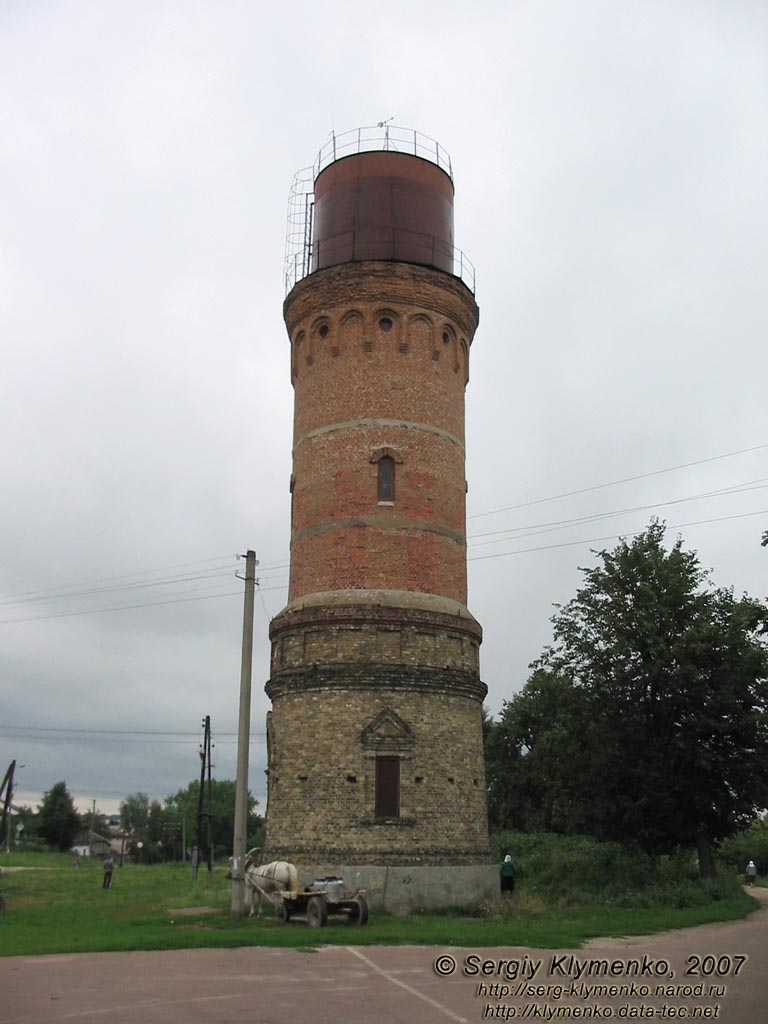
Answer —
386 479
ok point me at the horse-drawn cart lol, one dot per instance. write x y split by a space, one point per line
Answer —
325 897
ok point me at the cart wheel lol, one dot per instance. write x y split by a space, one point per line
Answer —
358 912
317 912
283 912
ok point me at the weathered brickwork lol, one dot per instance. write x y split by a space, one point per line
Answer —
380 360
423 383
374 635
343 537
375 659
326 798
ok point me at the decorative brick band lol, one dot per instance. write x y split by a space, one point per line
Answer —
382 283
378 522
398 639
361 678
332 428
375 611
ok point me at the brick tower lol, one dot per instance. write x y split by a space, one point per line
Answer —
375 759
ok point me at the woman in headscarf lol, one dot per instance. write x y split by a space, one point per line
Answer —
507 874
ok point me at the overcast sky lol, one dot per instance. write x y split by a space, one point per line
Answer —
610 161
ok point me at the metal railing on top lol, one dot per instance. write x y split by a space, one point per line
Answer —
382 137
375 138
398 245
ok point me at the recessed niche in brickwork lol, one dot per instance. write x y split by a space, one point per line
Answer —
420 336
388 644
389 328
316 643
293 650
475 656
450 650
351 331
297 351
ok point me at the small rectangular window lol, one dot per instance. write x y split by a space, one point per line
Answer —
387 787
386 481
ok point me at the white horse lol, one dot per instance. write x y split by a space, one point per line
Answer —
261 882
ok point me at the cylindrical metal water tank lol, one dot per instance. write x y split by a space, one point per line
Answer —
383 206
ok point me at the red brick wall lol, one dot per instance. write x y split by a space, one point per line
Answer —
359 389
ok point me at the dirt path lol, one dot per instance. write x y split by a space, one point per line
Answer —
403 985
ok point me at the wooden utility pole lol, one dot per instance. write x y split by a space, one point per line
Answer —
5 824
91 830
243 742
205 754
209 806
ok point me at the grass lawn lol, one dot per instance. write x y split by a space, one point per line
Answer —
57 908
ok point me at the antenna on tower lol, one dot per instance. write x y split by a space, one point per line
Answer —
385 126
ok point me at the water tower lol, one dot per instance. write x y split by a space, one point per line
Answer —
375 756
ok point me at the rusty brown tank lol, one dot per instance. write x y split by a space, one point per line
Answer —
383 206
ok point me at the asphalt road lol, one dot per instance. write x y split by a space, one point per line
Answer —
652 976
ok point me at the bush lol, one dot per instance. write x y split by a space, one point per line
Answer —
32 844
573 871
737 851
148 854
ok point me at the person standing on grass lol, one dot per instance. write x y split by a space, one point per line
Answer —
751 873
109 867
507 874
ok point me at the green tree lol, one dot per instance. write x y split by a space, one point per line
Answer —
738 850
134 813
59 822
27 820
145 821
646 719
538 732
157 818
183 805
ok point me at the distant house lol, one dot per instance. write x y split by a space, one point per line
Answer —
89 844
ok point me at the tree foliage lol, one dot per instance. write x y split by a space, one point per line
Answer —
184 805
134 813
59 822
154 823
752 844
645 720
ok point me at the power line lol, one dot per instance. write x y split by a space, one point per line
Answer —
118 608
67 593
146 572
611 536
126 607
93 741
615 483
108 732
208 575
563 523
